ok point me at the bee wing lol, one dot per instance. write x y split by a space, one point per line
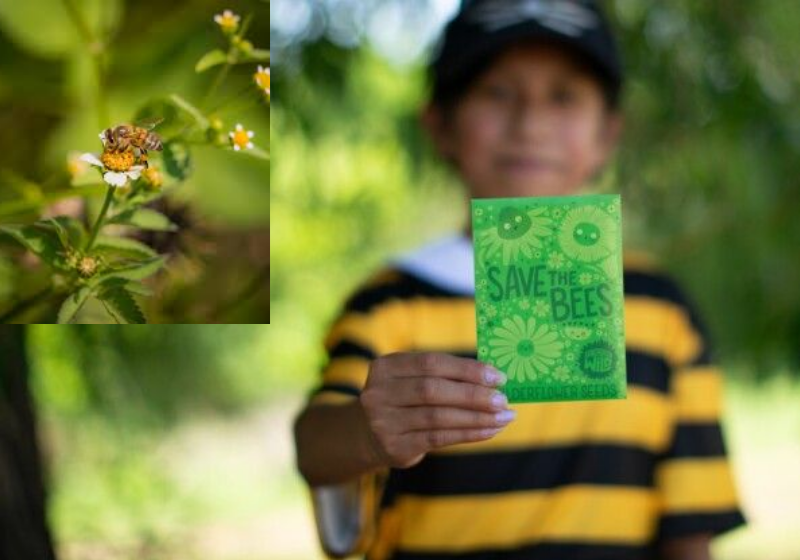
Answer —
149 123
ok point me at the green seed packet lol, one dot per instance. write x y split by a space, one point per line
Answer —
549 297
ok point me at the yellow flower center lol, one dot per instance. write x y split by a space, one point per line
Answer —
117 161
262 79
240 138
87 266
228 21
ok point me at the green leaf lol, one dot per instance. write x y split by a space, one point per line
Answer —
72 305
257 55
133 286
144 218
41 240
70 231
144 197
134 271
210 59
177 160
121 306
139 289
122 247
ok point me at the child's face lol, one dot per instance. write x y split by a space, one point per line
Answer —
534 124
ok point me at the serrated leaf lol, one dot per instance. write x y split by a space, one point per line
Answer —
144 218
177 160
210 59
133 287
122 247
138 289
134 271
121 306
72 305
39 239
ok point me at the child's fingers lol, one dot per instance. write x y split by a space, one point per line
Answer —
439 364
435 391
435 439
446 418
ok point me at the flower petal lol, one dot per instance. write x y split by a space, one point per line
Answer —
91 158
134 173
250 133
115 179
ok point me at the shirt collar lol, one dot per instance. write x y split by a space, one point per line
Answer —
447 262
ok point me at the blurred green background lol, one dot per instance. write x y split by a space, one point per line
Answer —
50 107
174 442
708 172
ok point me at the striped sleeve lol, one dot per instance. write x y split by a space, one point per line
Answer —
694 475
371 323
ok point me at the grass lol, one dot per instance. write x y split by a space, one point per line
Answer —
226 489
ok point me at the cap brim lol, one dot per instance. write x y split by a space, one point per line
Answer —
481 52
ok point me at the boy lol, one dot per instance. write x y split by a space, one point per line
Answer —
525 103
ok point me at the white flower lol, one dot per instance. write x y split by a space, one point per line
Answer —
240 138
117 177
227 20
262 78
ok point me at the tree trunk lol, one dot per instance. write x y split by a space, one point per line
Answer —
24 534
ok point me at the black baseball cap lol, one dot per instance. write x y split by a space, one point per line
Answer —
484 28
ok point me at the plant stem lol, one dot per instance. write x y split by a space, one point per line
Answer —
26 304
217 81
244 92
100 217
80 23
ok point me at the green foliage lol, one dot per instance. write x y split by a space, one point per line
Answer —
154 374
42 240
87 263
711 144
143 218
73 304
119 302
210 59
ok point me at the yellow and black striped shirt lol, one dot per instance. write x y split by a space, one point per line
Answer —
577 480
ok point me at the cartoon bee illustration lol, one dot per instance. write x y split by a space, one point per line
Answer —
137 137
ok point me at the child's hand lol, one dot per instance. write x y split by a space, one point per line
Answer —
417 402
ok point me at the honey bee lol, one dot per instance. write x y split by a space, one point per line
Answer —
137 137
